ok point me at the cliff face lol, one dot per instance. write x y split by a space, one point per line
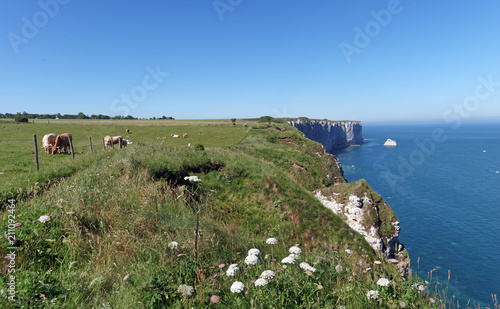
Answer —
356 203
331 134
368 215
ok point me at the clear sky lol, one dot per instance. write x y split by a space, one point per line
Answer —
343 60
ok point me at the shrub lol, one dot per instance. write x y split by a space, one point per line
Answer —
20 119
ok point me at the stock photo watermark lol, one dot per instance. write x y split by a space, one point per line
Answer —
30 26
455 115
150 81
363 36
11 257
223 6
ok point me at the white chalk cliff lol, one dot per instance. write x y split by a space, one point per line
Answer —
332 134
369 215
354 213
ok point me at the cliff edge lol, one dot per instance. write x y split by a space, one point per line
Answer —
331 134
355 203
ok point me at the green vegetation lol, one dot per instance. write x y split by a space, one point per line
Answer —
114 215
20 119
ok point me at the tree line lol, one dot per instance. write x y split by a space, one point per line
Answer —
24 116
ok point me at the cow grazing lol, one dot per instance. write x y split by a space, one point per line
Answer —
109 141
174 135
128 131
48 142
185 135
62 141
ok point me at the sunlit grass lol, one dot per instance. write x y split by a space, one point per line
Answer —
114 213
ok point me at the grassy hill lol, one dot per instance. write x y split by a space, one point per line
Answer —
114 215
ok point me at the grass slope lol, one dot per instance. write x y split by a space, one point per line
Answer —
114 214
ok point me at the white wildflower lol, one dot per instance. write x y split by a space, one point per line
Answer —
267 274
251 260
192 179
305 266
271 241
186 290
339 268
377 262
294 256
173 245
348 252
232 270
254 251
372 294
288 260
44 218
295 250
261 282
383 282
237 287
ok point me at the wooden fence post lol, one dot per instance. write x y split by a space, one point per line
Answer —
90 142
103 144
36 151
71 147
120 140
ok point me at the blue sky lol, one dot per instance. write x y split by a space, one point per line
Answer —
358 60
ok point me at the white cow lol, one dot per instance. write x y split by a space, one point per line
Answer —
48 141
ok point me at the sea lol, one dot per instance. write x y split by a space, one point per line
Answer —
443 183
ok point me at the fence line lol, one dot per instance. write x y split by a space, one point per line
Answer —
36 152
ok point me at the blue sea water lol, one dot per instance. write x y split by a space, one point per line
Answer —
444 185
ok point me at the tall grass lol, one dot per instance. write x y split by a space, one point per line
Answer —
111 220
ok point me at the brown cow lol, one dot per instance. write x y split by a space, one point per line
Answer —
61 141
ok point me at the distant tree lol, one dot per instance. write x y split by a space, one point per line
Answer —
81 116
233 120
20 119
129 117
154 118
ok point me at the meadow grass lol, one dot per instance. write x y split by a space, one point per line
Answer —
114 213
18 170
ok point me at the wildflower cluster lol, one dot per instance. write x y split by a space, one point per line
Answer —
232 270
173 245
268 275
271 241
185 290
305 266
237 287
251 260
44 218
383 282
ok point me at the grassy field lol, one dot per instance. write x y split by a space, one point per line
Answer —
17 148
113 217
